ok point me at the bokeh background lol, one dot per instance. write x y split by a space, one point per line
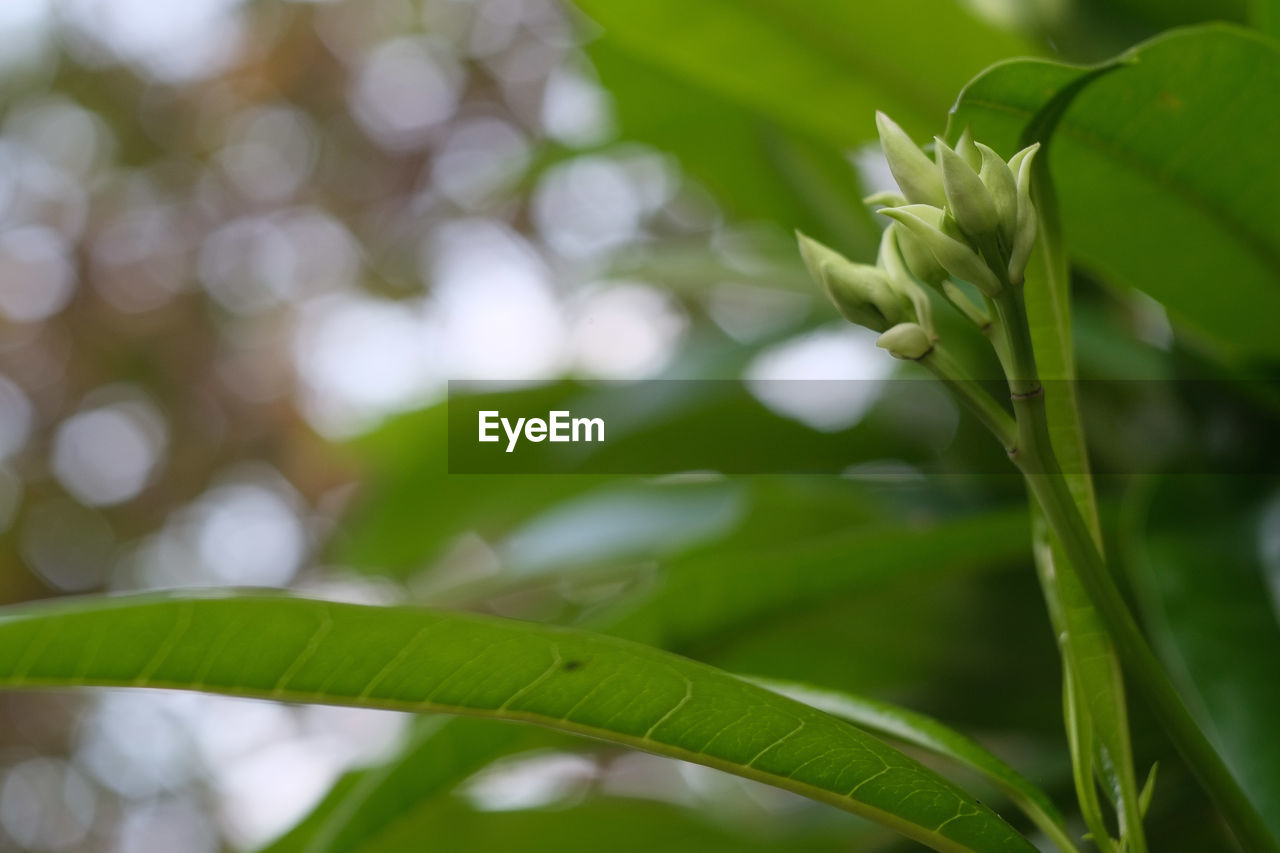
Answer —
239 239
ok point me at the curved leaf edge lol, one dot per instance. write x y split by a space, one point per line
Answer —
23 671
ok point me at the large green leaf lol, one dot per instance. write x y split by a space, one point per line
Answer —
1165 173
789 557
1093 686
920 730
417 660
822 67
1193 551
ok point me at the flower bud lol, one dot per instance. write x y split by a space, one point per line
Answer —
919 260
967 197
916 174
1002 185
900 279
888 198
958 258
861 293
1024 238
966 149
907 341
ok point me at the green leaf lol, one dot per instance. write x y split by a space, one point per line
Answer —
1097 715
366 804
822 67
790 555
757 170
1193 552
1165 173
902 724
706 595
631 826
414 507
1265 15
418 660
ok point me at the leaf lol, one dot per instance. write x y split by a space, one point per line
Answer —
705 595
414 507
631 826
418 660
1165 174
365 804
1093 685
786 559
822 67
1265 15
1193 553
757 170
1098 28
885 719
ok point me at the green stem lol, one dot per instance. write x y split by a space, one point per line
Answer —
943 365
1033 454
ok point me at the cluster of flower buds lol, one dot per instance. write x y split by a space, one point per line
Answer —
964 216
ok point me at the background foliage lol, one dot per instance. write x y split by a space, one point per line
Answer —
244 244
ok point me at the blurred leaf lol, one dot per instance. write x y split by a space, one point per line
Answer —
1165 173
902 724
413 659
762 100
1266 16
754 168
414 507
366 804
1094 29
630 826
822 67
709 593
1193 549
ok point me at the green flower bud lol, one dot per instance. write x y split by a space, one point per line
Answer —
1015 162
919 259
907 341
887 198
900 279
966 149
927 224
915 173
967 197
861 293
1024 238
1002 185
964 305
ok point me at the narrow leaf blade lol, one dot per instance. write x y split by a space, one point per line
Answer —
419 660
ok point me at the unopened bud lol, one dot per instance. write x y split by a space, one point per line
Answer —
966 149
908 341
967 197
861 293
916 174
958 258
919 259
901 280
1024 238
887 198
1003 187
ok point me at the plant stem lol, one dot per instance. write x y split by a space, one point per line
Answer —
943 365
1033 454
